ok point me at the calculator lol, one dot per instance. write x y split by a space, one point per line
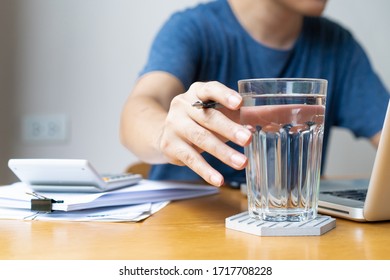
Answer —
68 175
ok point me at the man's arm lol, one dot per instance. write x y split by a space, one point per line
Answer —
375 139
144 114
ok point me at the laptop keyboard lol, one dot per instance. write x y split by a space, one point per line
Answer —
359 195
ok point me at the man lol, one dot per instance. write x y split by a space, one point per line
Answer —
201 53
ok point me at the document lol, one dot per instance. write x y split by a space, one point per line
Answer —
132 213
20 195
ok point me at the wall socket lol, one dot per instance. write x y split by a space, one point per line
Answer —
45 128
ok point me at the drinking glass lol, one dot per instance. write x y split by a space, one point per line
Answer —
286 118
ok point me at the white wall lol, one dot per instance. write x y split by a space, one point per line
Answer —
81 58
7 9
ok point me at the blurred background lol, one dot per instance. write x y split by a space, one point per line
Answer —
67 66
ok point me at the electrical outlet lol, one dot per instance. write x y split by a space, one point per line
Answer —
45 128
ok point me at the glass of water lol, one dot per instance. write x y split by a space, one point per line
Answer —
286 118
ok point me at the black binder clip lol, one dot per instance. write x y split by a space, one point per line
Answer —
41 203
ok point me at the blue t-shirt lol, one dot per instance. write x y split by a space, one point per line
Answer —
207 43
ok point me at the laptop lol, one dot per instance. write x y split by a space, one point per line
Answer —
363 199
68 175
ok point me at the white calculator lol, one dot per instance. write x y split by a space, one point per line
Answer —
67 175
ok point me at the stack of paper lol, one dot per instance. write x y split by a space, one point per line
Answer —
130 203
131 213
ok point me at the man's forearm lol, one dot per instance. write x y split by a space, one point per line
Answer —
141 127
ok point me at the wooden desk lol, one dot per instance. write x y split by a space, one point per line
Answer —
191 229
